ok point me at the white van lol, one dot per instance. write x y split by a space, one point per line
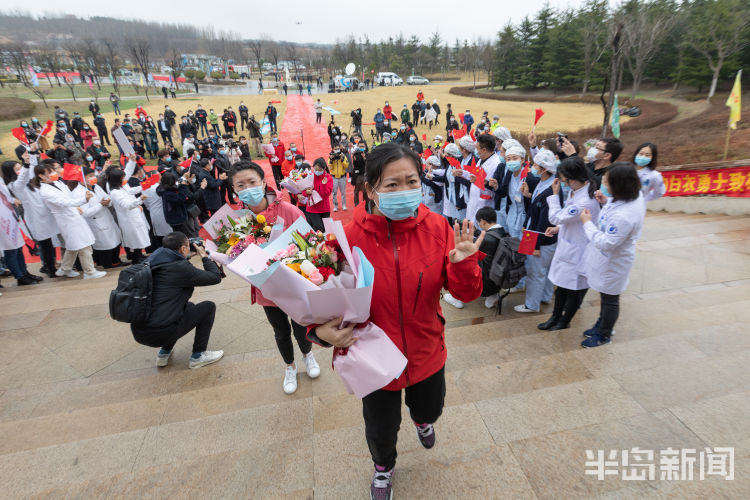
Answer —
388 78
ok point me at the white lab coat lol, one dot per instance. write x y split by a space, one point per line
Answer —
38 217
428 197
100 220
64 207
611 250
567 267
133 224
156 210
476 201
652 184
10 234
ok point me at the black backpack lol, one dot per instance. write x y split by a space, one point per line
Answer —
130 302
508 266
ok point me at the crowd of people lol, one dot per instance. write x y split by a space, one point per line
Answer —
416 204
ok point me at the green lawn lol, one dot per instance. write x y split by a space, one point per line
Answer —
82 91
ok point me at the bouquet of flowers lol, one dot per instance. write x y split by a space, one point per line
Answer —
234 230
314 255
298 180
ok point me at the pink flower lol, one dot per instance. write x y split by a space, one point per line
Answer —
316 278
281 254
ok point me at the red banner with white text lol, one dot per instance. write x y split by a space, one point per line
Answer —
733 181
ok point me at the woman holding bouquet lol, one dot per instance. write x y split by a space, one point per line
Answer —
415 254
321 191
263 201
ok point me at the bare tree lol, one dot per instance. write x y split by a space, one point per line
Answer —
94 58
595 30
175 62
112 61
73 51
256 47
140 50
291 55
15 55
275 52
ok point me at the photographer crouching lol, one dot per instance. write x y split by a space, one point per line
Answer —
172 314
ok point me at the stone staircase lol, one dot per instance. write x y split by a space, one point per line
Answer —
84 413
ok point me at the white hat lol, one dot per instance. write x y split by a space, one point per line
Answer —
509 143
467 143
434 101
502 134
546 159
515 149
452 150
438 138
434 161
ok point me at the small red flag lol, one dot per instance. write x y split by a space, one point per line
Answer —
186 163
454 162
20 134
72 172
457 134
275 102
539 114
528 242
43 156
47 127
461 117
424 137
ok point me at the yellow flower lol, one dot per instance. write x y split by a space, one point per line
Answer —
294 267
261 219
267 229
233 240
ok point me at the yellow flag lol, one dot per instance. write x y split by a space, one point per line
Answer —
734 102
141 80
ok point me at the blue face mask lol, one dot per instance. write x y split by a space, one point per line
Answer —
605 191
252 196
535 172
223 151
399 205
513 166
642 161
293 149
319 172
298 163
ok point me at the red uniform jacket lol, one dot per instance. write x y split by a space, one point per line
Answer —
388 112
324 187
279 152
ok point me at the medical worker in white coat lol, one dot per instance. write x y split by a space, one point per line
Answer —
645 159
433 189
99 218
41 223
566 269
133 224
488 161
11 240
611 250
153 203
68 212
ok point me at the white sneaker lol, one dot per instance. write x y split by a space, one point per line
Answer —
163 360
290 380
206 358
335 209
313 370
516 289
521 308
491 301
343 209
67 274
453 301
94 275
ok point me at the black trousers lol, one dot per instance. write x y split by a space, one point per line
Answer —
277 176
359 187
318 117
166 137
316 220
48 255
283 332
107 258
227 192
610 311
104 136
382 412
567 303
199 316
243 121
135 255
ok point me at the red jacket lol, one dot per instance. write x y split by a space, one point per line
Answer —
324 187
288 166
279 152
411 264
388 112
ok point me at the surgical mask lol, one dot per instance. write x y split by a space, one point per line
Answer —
274 141
535 172
605 191
91 181
402 127
361 149
399 205
192 181
288 158
89 158
591 154
252 196
298 163
53 177
319 172
85 128
642 161
293 149
24 124
34 120
513 166
412 138
197 157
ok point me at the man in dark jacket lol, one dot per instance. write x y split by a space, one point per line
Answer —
202 117
487 222
244 114
271 114
172 314
212 193
101 128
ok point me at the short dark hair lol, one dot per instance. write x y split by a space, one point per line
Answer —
168 180
487 141
612 146
486 214
162 153
573 168
114 178
654 154
190 152
385 154
623 180
246 165
175 240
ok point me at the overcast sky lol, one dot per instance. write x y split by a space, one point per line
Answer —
322 21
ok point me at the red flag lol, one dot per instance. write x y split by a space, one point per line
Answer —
72 172
19 134
369 123
47 127
457 134
275 102
454 162
186 163
478 172
43 156
424 137
539 114
151 181
471 134
525 172
528 242
461 117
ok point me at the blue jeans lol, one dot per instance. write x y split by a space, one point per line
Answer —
538 287
15 262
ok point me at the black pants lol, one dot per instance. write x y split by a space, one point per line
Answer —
316 220
567 303
272 124
382 412
104 136
282 330
135 255
277 176
243 121
359 187
610 311
107 258
203 128
318 117
215 126
227 192
199 316
48 255
166 137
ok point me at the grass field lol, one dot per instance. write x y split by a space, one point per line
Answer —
82 91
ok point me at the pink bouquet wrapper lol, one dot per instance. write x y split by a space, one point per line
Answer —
224 259
371 363
219 217
298 186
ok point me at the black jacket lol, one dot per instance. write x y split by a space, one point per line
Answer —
201 115
537 216
489 247
211 193
504 188
174 278
175 203
171 116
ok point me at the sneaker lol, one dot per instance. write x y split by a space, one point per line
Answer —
66 274
290 380
25 280
94 275
343 209
162 357
382 484
453 301
595 341
34 277
517 289
313 370
491 301
594 330
206 358
426 435
521 308
335 209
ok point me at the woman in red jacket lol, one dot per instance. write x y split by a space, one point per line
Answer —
250 185
415 254
323 186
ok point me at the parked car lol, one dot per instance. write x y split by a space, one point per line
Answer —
388 78
417 80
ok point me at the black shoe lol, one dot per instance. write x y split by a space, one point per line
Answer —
35 277
25 280
548 324
44 270
52 274
559 326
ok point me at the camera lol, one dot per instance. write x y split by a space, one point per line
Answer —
196 242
